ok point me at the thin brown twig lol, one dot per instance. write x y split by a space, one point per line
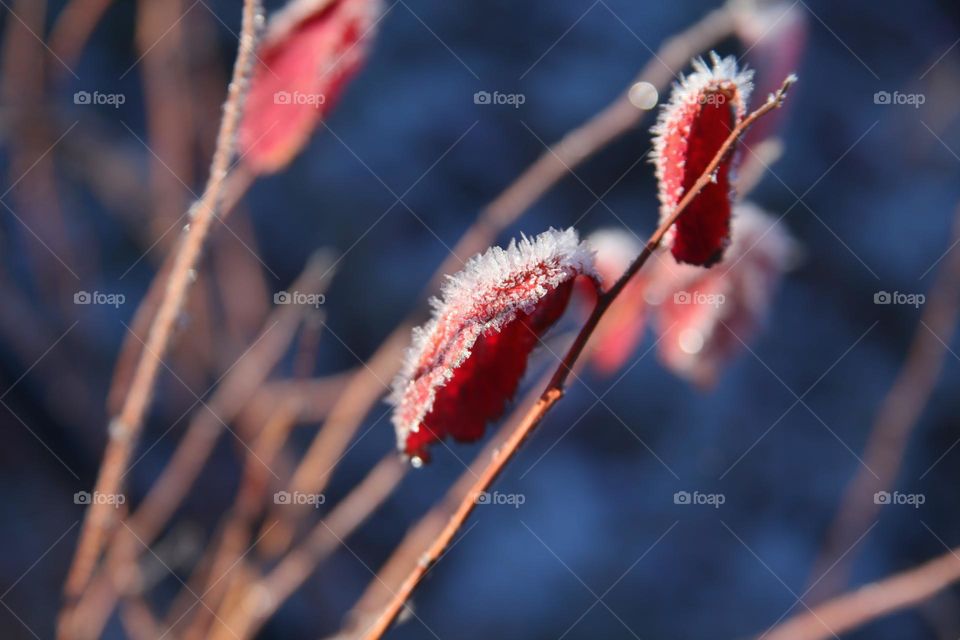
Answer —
126 427
248 504
328 535
131 350
30 138
554 164
555 389
243 291
195 447
870 602
250 499
138 620
72 29
895 420
170 134
314 397
235 185
261 599
170 129
417 540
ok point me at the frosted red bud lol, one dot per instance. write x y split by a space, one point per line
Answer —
704 317
620 330
310 51
703 109
465 364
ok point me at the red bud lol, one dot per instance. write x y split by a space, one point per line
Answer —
466 362
311 50
704 108
705 317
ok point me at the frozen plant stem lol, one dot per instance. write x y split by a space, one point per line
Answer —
365 388
870 602
555 388
893 425
125 428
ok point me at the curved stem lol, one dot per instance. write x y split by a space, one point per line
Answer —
366 387
125 428
418 538
72 29
872 601
893 424
172 485
261 599
554 391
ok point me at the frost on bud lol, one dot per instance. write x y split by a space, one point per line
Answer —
465 364
703 318
312 48
620 330
703 109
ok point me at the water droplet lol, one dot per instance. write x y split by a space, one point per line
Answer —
117 430
691 341
643 95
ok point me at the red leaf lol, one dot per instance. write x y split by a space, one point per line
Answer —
621 329
466 362
311 50
704 318
703 110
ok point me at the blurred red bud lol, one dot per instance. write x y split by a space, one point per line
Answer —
621 329
312 48
704 317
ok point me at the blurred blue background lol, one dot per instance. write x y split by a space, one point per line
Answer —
599 548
